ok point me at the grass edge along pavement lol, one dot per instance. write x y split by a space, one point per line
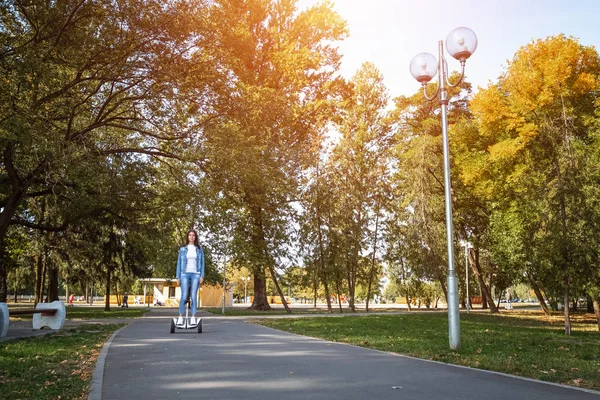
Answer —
58 365
526 344
86 312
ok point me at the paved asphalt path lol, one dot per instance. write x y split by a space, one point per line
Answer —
233 359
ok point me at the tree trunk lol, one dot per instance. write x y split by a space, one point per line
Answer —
16 290
44 269
327 295
109 268
339 294
538 293
118 297
260 293
474 263
408 302
3 271
52 281
278 288
596 305
589 304
564 247
373 258
259 242
323 273
350 273
315 289
566 306
484 303
442 280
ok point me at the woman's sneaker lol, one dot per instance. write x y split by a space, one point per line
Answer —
179 321
193 321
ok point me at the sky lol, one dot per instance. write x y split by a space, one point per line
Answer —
389 33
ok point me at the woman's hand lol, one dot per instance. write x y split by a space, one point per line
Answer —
201 280
178 282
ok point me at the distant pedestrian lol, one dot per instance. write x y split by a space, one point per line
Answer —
71 299
508 300
124 304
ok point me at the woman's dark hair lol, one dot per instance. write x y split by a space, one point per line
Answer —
195 240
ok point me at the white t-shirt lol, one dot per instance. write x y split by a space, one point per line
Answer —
191 259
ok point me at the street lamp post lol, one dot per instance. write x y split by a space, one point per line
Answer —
467 247
224 284
246 279
460 43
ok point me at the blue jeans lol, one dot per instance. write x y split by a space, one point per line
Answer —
186 278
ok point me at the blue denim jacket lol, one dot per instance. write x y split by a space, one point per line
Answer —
182 261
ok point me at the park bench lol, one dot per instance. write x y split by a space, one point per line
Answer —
45 315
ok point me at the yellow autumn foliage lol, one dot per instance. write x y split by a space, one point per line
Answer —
541 78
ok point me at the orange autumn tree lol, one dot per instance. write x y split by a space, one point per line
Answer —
534 146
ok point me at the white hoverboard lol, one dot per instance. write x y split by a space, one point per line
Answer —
186 321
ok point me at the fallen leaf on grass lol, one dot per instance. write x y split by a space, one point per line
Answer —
578 381
574 369
563 348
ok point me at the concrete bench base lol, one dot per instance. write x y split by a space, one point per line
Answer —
40 321
3 319
53 322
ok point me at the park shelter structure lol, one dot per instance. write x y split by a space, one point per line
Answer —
168 292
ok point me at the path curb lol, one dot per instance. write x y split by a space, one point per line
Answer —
96 386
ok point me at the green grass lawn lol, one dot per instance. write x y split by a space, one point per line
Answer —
236 311
58 365
524 343
90 312
99 313
279 310
54 366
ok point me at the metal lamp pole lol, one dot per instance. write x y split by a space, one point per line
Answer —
224 284
460 43
468 302
246 279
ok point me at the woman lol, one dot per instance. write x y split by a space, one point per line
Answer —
190 270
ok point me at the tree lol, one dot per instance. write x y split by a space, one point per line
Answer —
88 80
534 120
280 66
418 205
360 170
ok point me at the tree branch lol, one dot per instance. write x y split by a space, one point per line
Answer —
39 227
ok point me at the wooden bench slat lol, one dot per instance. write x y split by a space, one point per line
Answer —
32 311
